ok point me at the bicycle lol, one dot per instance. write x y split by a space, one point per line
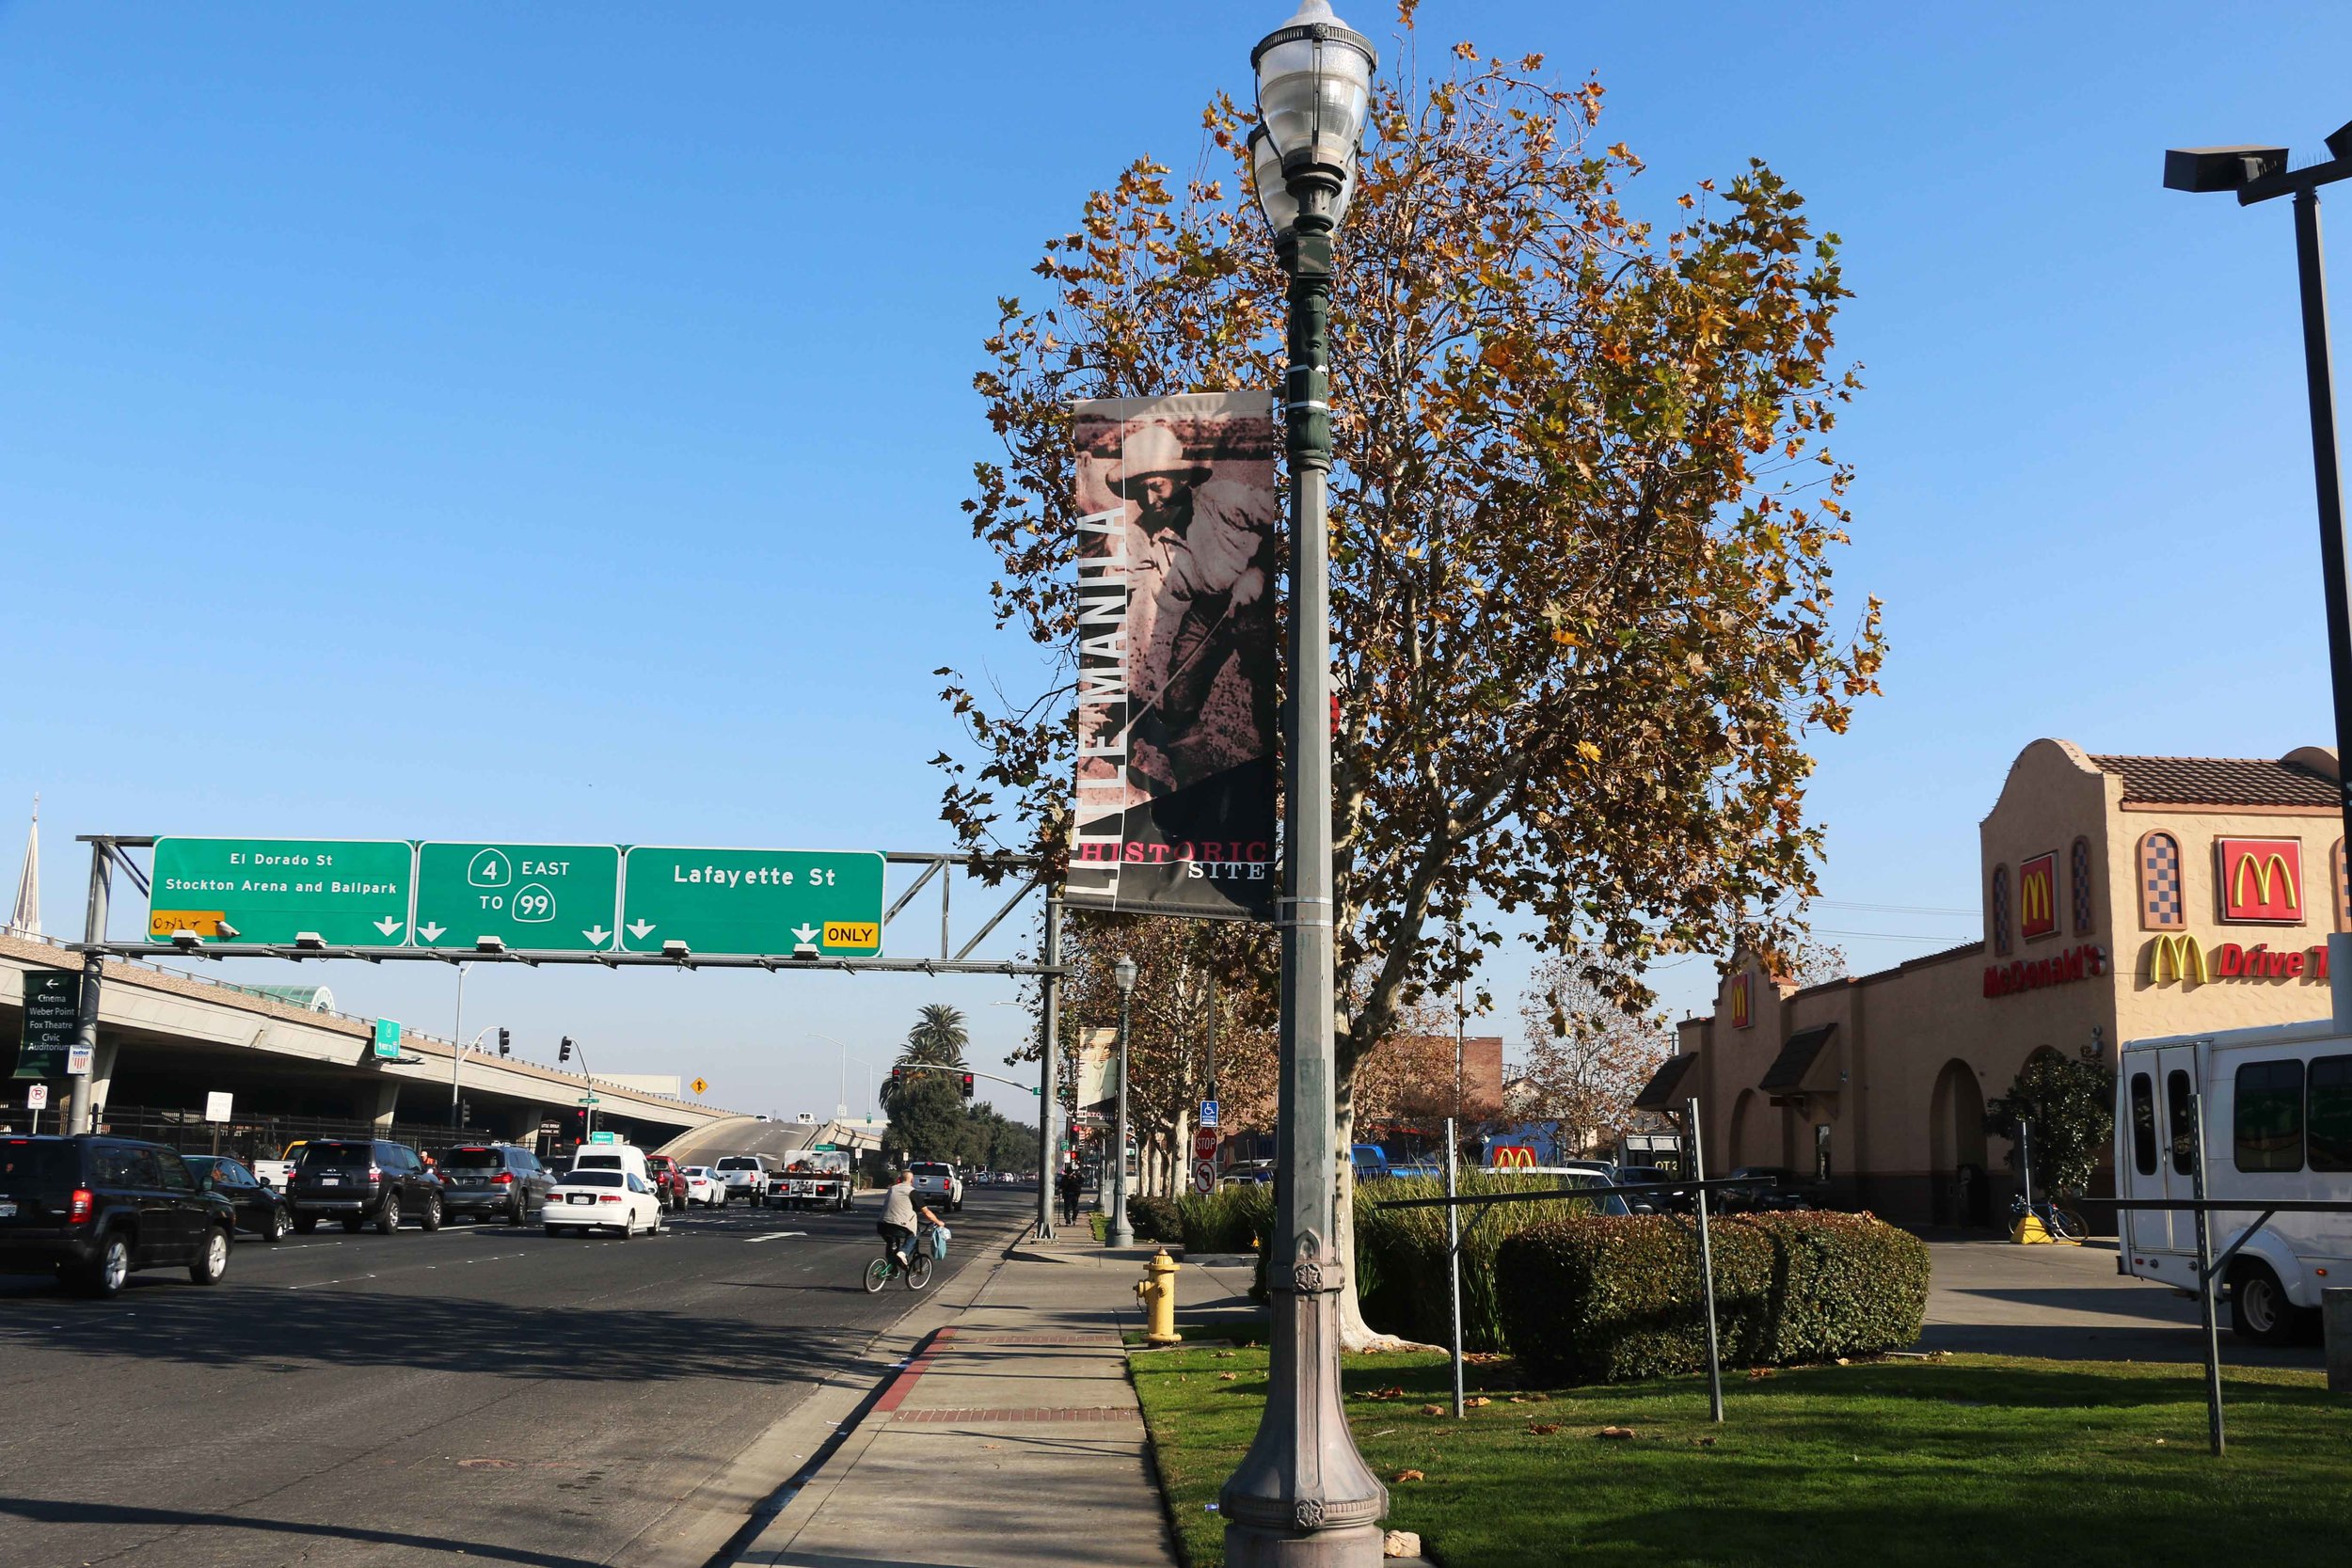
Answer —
917 1273
2064 1222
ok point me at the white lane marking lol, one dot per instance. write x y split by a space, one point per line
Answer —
775 1235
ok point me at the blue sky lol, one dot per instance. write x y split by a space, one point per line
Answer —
548 422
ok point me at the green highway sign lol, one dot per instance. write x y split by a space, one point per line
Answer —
602 1137
589 1099
52 1017
755 901
387 1038
548 897
351 892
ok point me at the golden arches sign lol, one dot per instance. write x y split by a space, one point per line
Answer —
1510 1157
2177 958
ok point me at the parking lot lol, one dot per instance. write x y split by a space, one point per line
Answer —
2068 1303
480 1389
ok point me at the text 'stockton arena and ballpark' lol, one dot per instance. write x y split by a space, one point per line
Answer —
2124 897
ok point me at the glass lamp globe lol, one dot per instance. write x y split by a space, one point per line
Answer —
1275 200
1124 971
1314 88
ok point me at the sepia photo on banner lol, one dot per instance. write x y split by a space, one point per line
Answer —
1176 658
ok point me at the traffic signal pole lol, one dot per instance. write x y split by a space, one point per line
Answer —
1048 1077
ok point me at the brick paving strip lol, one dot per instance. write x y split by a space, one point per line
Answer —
1030 1412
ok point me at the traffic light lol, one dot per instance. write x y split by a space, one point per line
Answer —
967 1085
563 1051
506 1043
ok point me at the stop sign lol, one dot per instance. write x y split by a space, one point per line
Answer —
1204 1144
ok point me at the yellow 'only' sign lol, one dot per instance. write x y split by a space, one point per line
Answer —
204 923
852 933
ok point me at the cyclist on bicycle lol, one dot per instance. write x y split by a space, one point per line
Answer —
897 1217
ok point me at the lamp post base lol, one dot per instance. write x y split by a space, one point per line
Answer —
1257 1546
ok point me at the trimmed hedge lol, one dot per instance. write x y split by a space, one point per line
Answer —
1154 1219
1616 1300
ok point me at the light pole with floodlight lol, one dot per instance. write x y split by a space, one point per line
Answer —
2258 174
1120 1234
1303 1495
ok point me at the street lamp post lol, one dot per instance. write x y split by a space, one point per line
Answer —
2258 174
1303 1495
1120 1232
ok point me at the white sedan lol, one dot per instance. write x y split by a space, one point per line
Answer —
615 1200
704 1187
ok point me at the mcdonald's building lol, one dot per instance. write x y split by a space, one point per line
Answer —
2122 896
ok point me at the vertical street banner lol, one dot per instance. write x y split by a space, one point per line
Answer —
1177 529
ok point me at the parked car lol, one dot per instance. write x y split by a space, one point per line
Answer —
362 1181
937 1184
96 1210
1778 1189
620 1202
262 1211
503 1181
703 1187
1673 1200
746 1177
668 1179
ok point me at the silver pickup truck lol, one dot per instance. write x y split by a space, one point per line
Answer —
937 1186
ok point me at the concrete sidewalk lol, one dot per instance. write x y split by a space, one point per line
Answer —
1010 1435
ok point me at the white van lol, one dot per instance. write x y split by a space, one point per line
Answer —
2278 1111
621 1157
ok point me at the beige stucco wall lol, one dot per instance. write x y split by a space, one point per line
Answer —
1919 1048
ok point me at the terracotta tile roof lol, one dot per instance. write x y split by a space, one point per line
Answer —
2219 781
1787 1069
1659 1093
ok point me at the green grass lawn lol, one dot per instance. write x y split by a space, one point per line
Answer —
1971 1460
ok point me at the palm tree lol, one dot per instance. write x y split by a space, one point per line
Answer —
938 1038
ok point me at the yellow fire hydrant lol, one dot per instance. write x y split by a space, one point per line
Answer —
1156 1290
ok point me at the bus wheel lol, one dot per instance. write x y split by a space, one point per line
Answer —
2259 1310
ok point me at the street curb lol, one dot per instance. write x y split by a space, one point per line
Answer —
786 1508
721 1521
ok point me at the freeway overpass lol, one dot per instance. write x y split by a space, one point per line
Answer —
166 1039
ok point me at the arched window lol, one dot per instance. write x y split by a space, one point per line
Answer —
2086 909
2344 888
2000 912
2163 904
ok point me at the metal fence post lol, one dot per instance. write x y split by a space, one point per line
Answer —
1707 1267
1049 1077
1454 1262
2204 1272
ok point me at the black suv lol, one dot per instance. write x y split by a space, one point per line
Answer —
94 1208
494 1180
362 1181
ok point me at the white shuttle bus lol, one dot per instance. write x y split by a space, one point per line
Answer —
2277 1104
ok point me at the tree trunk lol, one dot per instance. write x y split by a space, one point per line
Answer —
1355 1334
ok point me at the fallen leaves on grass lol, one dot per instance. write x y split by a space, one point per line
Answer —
1755 1372
1542 1428
1227 1377
1433 1409
1615 1432
1475 1400
1224 1354
1404 1476
1390 1393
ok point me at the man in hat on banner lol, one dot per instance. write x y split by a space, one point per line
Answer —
1211 542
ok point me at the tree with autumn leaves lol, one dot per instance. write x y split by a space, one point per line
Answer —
1582 521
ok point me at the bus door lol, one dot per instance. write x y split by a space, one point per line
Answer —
2176 1079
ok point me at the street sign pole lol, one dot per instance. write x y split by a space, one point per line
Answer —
93 969
1048 1095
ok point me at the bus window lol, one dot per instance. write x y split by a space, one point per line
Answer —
2176 1091
2329 1119
2144 1124
2269 1116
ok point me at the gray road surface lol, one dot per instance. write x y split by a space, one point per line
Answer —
367 1400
